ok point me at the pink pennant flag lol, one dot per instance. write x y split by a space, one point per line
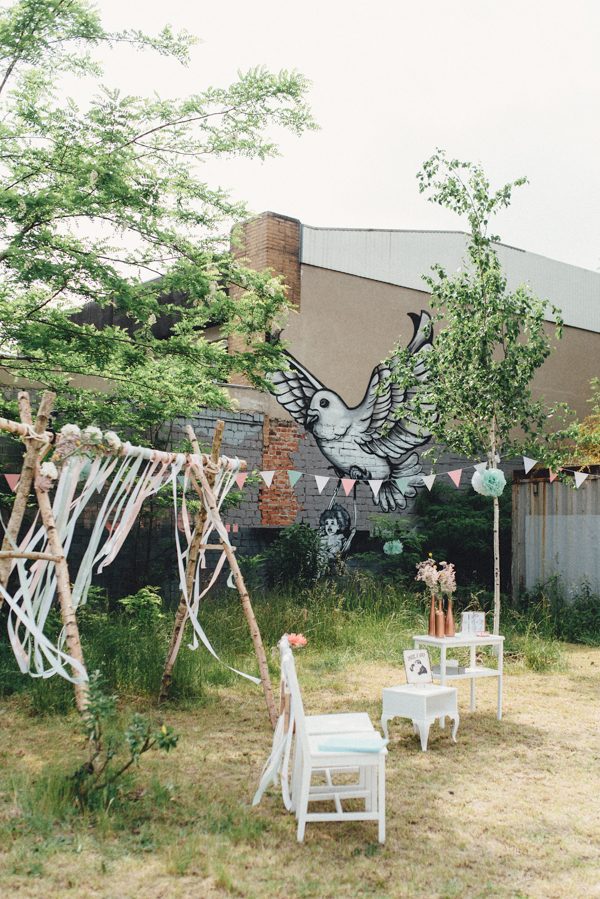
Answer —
455 476
375 486
240 479
228 528
235 528
528 464
428 480
348 484
12 480
267 477
580 477
553 475
321 482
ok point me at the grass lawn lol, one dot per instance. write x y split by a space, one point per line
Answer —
511 810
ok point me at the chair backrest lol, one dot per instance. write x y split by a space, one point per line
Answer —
291 685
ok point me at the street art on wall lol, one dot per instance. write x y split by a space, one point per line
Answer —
336 532
376 440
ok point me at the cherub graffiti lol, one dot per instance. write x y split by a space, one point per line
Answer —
336 534
376 440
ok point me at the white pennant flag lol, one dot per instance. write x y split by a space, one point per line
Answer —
321 482
375 486
528 463
267 477
481 467
428 480
580 477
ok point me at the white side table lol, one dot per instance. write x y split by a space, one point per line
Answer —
474 671
423 705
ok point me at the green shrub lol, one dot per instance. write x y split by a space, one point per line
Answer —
294 557
570 615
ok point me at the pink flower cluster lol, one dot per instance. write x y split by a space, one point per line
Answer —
437 580
447 577
428 573
297 640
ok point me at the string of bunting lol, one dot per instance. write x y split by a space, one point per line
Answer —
455 475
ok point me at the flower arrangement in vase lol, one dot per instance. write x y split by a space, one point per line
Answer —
441 582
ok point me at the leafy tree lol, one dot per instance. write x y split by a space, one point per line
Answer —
579 443
105 202
477 400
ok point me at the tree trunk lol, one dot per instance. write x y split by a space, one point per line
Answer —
190 571
494 464
496 565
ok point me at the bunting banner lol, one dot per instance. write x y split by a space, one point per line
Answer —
553 475
267 477
12 480
429 480
375 486
580 477
481 467
455 476
294 477
240 479
528 464
322 481
348 484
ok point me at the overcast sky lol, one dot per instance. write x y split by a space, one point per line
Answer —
514 85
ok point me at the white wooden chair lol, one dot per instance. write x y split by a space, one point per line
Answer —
326 745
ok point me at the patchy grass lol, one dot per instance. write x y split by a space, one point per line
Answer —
510 811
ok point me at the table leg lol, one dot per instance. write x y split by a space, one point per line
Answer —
500 677
443 678
455 723
384 727
472 664
423 727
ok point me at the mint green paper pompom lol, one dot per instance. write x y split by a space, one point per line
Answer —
393 547
493 482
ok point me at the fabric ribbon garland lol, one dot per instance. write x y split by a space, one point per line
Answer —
224 481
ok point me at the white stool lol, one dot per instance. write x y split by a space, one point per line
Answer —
423 705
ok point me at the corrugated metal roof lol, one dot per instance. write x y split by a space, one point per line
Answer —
403 257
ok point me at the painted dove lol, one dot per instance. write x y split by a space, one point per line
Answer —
370 441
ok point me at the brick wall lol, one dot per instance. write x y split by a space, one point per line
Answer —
278 504
272 242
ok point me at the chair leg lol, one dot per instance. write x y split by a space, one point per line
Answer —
302 803
381 799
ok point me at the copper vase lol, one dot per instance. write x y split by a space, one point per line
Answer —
440 628
449 623
431 631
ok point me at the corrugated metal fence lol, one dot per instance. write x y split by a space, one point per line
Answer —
556 531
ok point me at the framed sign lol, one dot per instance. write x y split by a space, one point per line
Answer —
473 623
417 666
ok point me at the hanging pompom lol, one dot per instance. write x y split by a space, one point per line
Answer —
489 483
393 547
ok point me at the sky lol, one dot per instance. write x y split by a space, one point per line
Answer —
510 84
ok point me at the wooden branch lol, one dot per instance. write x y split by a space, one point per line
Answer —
244 596
192 561
27 472
16 554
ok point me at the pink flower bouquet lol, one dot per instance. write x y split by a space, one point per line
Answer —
296 640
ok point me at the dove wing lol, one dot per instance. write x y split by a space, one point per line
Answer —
384 432
294 389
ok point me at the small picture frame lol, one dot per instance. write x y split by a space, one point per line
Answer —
417 666
473 623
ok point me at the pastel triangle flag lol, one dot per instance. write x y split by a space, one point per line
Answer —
528 463
455 476
12 480
321 482
267 477
580 477
428 480
348 484
294 477
375 486
240 479
553 475
481 467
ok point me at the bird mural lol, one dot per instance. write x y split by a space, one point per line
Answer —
376 440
